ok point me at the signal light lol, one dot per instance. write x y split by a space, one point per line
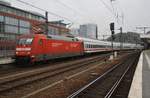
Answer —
112 26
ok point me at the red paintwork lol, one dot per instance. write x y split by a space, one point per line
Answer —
49 47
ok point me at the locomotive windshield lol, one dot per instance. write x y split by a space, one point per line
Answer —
25 41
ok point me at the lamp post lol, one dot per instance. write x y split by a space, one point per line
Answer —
46 23
121 43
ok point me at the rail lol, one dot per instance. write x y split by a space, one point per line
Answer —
113 88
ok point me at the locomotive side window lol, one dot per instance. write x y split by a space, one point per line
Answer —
40 42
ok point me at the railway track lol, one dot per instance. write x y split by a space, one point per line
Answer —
123 87
106 85
17 80
11 68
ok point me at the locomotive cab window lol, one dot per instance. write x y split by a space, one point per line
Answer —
25 41
29 41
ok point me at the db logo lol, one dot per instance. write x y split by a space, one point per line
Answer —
56 44
73 45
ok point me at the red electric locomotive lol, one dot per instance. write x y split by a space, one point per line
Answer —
39 47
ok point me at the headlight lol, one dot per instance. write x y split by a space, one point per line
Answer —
32 56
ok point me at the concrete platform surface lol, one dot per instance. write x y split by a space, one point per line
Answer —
140 87
6 60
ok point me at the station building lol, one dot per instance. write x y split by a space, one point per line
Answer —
146 39
15 21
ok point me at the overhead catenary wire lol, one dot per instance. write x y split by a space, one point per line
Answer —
110 10
54 14
75 11
121 15
115 12
65 5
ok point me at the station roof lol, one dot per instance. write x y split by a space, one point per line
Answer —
8 5
60 22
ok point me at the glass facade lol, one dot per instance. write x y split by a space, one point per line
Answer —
24 30
24 27
1 27
11 29
53 31
22 13
24 24
13 25
7 44
11 21
1 18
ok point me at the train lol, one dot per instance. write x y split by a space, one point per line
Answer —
94 45
40 47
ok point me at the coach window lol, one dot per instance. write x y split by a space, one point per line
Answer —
86 46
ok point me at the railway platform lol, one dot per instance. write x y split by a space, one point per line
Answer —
6 60
140 87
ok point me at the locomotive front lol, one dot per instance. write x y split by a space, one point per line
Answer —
24 49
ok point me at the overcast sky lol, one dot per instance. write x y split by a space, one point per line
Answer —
135 12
